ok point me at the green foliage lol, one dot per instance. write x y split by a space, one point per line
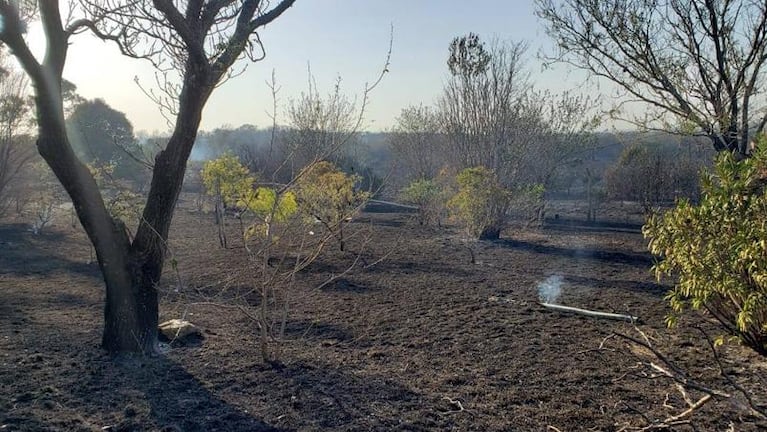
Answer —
481 202
265 203
718 248
430 198
100 133
226 179
328 194
268 206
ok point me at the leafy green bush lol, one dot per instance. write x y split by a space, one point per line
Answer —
718 249
227 181
329 195
430 198
481 203
269 207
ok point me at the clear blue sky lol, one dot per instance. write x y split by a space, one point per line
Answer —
336 37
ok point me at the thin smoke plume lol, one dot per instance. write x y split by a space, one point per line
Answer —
550 289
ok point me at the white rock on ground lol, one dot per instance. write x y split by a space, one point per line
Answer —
179 329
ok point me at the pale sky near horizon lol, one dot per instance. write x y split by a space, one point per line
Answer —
346 38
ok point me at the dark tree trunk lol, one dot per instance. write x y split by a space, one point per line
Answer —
131 311
220 213
729 140
490 233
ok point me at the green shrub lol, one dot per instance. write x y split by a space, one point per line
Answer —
718 249
226 179
481 203
430 198
329 195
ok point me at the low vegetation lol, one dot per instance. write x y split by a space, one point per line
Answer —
716 249
481 203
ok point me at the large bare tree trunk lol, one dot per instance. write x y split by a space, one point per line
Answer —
130 273
131 270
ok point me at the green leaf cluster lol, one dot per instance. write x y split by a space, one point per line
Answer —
226 178
328 194
717 249
481 201
268 206
429 196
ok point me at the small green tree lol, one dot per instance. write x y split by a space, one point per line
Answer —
329 195
270 208
227 181
481 203
718 249
430 198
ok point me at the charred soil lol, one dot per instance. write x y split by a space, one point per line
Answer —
420 340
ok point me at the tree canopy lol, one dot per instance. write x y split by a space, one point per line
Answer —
697 66
100 133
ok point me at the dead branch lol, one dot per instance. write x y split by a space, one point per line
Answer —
590 313
453 402
662 366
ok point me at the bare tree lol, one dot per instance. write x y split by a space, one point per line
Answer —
563 137
318 126
697 65
417 143
483 107
15 148
493 117
201 42
655 173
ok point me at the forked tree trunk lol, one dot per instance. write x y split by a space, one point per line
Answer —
131 270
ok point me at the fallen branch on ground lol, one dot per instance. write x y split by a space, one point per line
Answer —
683 382
594 314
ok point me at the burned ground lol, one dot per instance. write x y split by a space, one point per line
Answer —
422 340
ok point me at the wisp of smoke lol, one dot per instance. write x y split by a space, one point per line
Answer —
550 289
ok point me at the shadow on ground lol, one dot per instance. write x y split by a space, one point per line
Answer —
580 226
601 255
23 253
80 387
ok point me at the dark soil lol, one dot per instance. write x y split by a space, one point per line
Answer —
422 340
